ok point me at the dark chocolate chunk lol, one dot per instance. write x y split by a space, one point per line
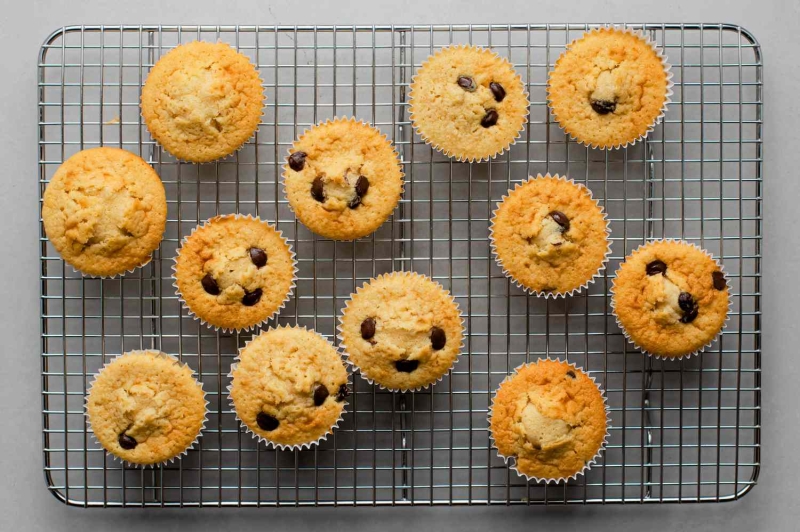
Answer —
571 374
210 285
656 267
438 338
498 91
343 392
320 394
297 160
368 328
259 257
689 315
406 366
362 186
467 83
603 107
719 280
561 219
126 442
490 118
267 422
686 301
317 189
251 298
355 202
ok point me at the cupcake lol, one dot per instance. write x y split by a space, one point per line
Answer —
105 211
202 101
234 272
146 408
550 419
468 103
343 179
670 298
402 331
609 88
288 387
550 236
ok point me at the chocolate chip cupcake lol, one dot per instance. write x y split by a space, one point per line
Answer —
105 211
610 88
402 331
202 101
234 272
468 103
550 236
343 179
288 387
146 408
670 298
550 419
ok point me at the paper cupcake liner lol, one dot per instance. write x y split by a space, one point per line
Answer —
332 121
268 442
700 349
115 275
448 153
664 106
511 461
121 460
242 145
556 294
363 374
191 313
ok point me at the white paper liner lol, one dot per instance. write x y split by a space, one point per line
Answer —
268 442
353 120
664 106
513 461
553 294
692 353
135 464
243 144
448 153
237 216
364 375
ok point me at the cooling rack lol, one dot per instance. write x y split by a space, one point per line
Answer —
683 431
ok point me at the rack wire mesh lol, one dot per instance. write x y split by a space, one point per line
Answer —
682 431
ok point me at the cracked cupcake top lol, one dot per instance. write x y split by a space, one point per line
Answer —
468 102
202 101
550 417
549 235
105 211
608 88
234 272
670 297
145 407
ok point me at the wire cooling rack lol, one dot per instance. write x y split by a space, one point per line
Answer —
682 430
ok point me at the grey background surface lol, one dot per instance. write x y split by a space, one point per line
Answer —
24 501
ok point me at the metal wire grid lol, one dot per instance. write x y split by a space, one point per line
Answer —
682 431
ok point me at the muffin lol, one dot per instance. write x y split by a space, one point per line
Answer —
402 331
609 88
105 211
550 419
670 298
288 387
468 103
234 272
343 179
146 408
202 101
550 236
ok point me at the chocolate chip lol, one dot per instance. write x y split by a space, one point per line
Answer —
317 189
362 186
719 280
343 392
251 298
686 301
498 91
126 442
210 285
467 83
561 219
297 160
438 338
406 366
320 394
571 374
689 316
603 107
368 328
656 267
355 202
267 422
259 257
490 118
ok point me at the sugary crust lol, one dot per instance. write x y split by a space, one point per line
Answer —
150 397
105 211
277 374
639 299
449 117
521 224
202 101
575 403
